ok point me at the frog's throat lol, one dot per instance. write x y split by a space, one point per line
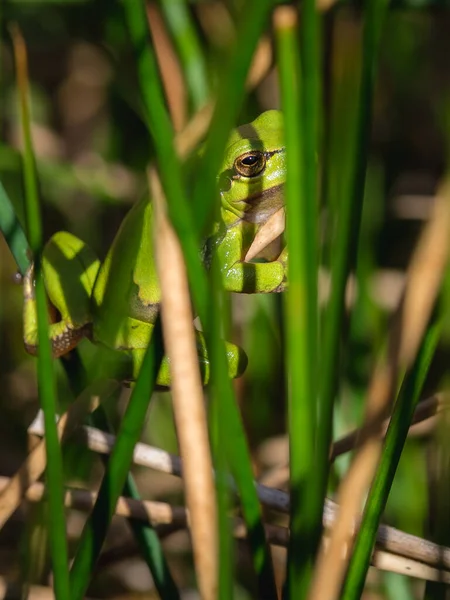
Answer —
258 207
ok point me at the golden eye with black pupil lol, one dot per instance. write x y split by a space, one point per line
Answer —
250 164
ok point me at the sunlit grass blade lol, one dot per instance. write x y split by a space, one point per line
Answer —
12 230
230 432
395 439
219 394
189 50
161 130
46 381
348 203
95 529
230 95
300 313
180 215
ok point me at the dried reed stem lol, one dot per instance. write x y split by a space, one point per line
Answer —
187 396
422 286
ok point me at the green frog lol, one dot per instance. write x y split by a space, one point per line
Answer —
115 302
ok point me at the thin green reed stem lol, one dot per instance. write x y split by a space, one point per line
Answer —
349 218
219 395
311 101
176 13
393 445
46 382
231 433
300 311
229 100
94 531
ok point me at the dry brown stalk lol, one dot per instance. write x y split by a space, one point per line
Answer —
422 286
169 65
187 139
187 396
35 463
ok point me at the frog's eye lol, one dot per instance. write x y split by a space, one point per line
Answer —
250 164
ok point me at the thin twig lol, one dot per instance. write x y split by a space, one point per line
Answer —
388 538
161 513
425 411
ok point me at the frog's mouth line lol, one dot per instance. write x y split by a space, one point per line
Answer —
261 206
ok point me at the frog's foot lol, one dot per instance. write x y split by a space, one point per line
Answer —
283 259
237 362
236 357
64 335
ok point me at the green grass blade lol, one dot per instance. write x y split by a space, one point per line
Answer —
229 99
46 381
311 104
151 549
145 535
14 234
395 439
231 434
349 203
180 215
95 529
176 13
219 394
300 311
161 130
241 469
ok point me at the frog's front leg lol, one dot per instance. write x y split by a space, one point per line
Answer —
247 277
69 268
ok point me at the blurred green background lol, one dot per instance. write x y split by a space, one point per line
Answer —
92 149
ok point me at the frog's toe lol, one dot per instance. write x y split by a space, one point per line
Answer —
237 360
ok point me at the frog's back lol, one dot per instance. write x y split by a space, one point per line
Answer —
127 295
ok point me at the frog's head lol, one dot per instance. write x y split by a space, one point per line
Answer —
254 170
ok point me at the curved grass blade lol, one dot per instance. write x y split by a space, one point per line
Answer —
350 202
95 529
176 13
46 381
12 230
393 445
300 314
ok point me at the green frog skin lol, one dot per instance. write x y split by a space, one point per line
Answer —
115 302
